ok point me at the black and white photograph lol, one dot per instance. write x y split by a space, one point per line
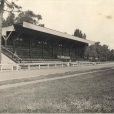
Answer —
56 56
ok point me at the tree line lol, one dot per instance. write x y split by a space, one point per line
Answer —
27 16
78 33
97 52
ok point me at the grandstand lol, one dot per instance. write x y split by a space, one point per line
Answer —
25 42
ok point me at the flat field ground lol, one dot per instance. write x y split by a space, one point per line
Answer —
92 93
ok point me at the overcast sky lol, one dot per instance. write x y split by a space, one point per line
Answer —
93 17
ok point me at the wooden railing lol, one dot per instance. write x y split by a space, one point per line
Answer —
29 66
60 64
39 65
11 67
89 63
10 54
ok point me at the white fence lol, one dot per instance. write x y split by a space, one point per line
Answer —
40 65
29 66
89 63
10 67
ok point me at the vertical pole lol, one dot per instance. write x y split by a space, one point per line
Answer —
12 68
28 66
48 66
39 66
5 43
13 45
17 67
1 67
69 51
42 49
62 49
29 47
1 18
52 49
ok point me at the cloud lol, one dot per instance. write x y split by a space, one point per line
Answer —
99 14
109 17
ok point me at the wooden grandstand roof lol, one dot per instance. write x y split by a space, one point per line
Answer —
46 30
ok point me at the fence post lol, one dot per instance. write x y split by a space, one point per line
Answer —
29 66
12 68
39 66
62 64
67 64
17 66
48 65
1 67
73 64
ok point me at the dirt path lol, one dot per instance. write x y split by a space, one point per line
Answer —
47 79
9 75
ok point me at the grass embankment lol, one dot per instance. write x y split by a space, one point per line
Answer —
88 93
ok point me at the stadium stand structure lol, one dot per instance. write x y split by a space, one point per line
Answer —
26 43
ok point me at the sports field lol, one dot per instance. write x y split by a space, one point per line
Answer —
92 92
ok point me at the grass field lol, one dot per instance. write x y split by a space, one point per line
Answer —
87 93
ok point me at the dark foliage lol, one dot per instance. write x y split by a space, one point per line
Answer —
78 33
99 52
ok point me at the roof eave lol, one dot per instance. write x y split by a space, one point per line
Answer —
53 32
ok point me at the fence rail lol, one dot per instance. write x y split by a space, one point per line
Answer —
29 66
10 67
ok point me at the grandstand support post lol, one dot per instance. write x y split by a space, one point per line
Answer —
5 43
30 44
29 47
42 48
62 49
14 46
33 38
52 49
65 45
56 43
6 38
70 49
14 40
79 51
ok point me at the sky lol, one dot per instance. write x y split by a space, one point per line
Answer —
95 18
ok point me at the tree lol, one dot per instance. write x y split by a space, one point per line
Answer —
9 20
29 16
78 33
99 51
112 55
84 36
12 6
